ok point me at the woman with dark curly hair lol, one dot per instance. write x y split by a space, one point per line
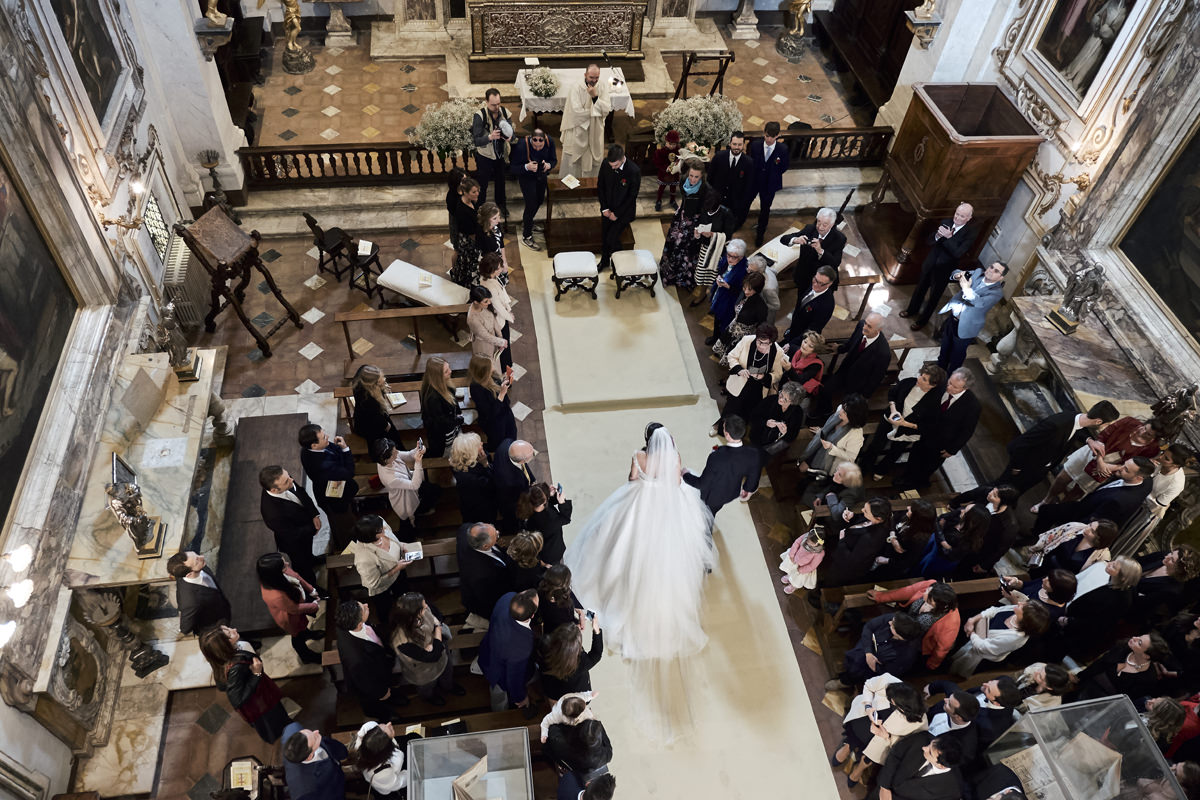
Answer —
959 536
557 604
1135 667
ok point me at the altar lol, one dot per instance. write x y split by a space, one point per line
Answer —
622 100
582 28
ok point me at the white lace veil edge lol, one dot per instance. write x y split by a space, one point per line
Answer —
662 459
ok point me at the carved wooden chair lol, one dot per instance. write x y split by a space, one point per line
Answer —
331 246
365 268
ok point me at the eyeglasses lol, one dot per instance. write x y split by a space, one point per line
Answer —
538 138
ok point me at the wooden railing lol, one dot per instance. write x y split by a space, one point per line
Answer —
303 166
839 147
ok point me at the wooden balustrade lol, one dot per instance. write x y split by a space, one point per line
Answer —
388 163
839 147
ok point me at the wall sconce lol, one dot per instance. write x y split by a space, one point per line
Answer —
122 222
924 23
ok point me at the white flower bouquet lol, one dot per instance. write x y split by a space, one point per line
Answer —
445 128
689 151
542 82
705 121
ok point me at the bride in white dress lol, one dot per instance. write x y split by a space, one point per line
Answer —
641 559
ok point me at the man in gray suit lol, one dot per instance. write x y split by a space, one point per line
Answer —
978 292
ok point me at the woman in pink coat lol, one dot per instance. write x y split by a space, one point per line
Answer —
291 601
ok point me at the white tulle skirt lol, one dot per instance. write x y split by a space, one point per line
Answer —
640 563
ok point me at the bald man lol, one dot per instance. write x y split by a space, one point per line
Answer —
512 473
949 243
865 358
582 130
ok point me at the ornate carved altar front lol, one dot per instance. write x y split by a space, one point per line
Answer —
534 28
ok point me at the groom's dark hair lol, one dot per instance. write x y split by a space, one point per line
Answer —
735 427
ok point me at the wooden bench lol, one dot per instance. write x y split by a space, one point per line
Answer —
939 501
478 723
410 389
261 441
403 366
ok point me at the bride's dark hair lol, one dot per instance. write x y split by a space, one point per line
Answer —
650 429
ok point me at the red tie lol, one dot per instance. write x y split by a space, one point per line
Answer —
862 345
946 403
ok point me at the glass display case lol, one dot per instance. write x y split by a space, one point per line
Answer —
453 767
1090 750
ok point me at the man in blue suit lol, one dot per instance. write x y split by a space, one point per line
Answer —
312 764
978 292
507 648
770 158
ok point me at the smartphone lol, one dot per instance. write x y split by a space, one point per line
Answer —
558 488
590 614
1003 585
420 442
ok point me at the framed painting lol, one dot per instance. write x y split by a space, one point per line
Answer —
1163 243
37 307
92 50
1078 37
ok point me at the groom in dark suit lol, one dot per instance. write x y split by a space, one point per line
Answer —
617 188
731 471
289 511
202 604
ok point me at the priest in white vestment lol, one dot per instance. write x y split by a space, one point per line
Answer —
588 105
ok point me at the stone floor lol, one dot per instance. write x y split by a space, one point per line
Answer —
350 99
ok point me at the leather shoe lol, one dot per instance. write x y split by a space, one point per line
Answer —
710 340
904 314
916 326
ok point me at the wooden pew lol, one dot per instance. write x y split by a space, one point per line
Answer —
855 596
410 389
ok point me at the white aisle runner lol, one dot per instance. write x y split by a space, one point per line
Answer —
744 722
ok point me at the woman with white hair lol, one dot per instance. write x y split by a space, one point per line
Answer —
727 288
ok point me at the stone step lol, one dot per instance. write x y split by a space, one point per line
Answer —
364 210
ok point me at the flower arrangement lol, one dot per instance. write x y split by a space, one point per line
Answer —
542 82
445 128
705 121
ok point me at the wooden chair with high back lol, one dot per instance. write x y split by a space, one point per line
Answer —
331 245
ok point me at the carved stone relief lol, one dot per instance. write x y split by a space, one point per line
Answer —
1036 110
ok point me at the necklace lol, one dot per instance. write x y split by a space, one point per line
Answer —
1133 666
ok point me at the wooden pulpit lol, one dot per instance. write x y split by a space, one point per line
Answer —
960 143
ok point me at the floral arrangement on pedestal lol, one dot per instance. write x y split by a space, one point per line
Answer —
542 82
445 128
703 122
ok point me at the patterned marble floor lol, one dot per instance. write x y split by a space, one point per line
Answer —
348 98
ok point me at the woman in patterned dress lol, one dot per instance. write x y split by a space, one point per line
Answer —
678 263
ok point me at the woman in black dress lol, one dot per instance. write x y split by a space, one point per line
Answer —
238 671
545 510
677 266
907 542
1135 667
473 479
749 312
563 663
372 410
755 365
490 237
439 411
1167 585
466 231
1072 546
453 179
850 552
777 419
491 402
557 604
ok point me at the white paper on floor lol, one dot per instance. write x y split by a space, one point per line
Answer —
521 411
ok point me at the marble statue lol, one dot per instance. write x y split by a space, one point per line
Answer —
125 501
169 338
1176 409
215 17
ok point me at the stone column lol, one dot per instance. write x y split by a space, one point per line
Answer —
745 21
192 96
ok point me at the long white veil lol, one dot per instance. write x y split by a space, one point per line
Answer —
640 561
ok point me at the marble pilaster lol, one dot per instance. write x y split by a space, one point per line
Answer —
198 114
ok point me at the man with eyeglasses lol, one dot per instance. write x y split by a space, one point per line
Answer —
588 106
532 159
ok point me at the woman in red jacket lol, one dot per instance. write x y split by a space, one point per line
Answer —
935 606
291 601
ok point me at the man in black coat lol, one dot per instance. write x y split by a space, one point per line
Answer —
866 355
944 434
912 402
731 172
617 187
920 767
997 782
330 465
955 717
202 604
889 643
512 474
950 242
290 513
484 571
820 245
1032 454
732 471
814 308
532 159
367 662
1115 500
